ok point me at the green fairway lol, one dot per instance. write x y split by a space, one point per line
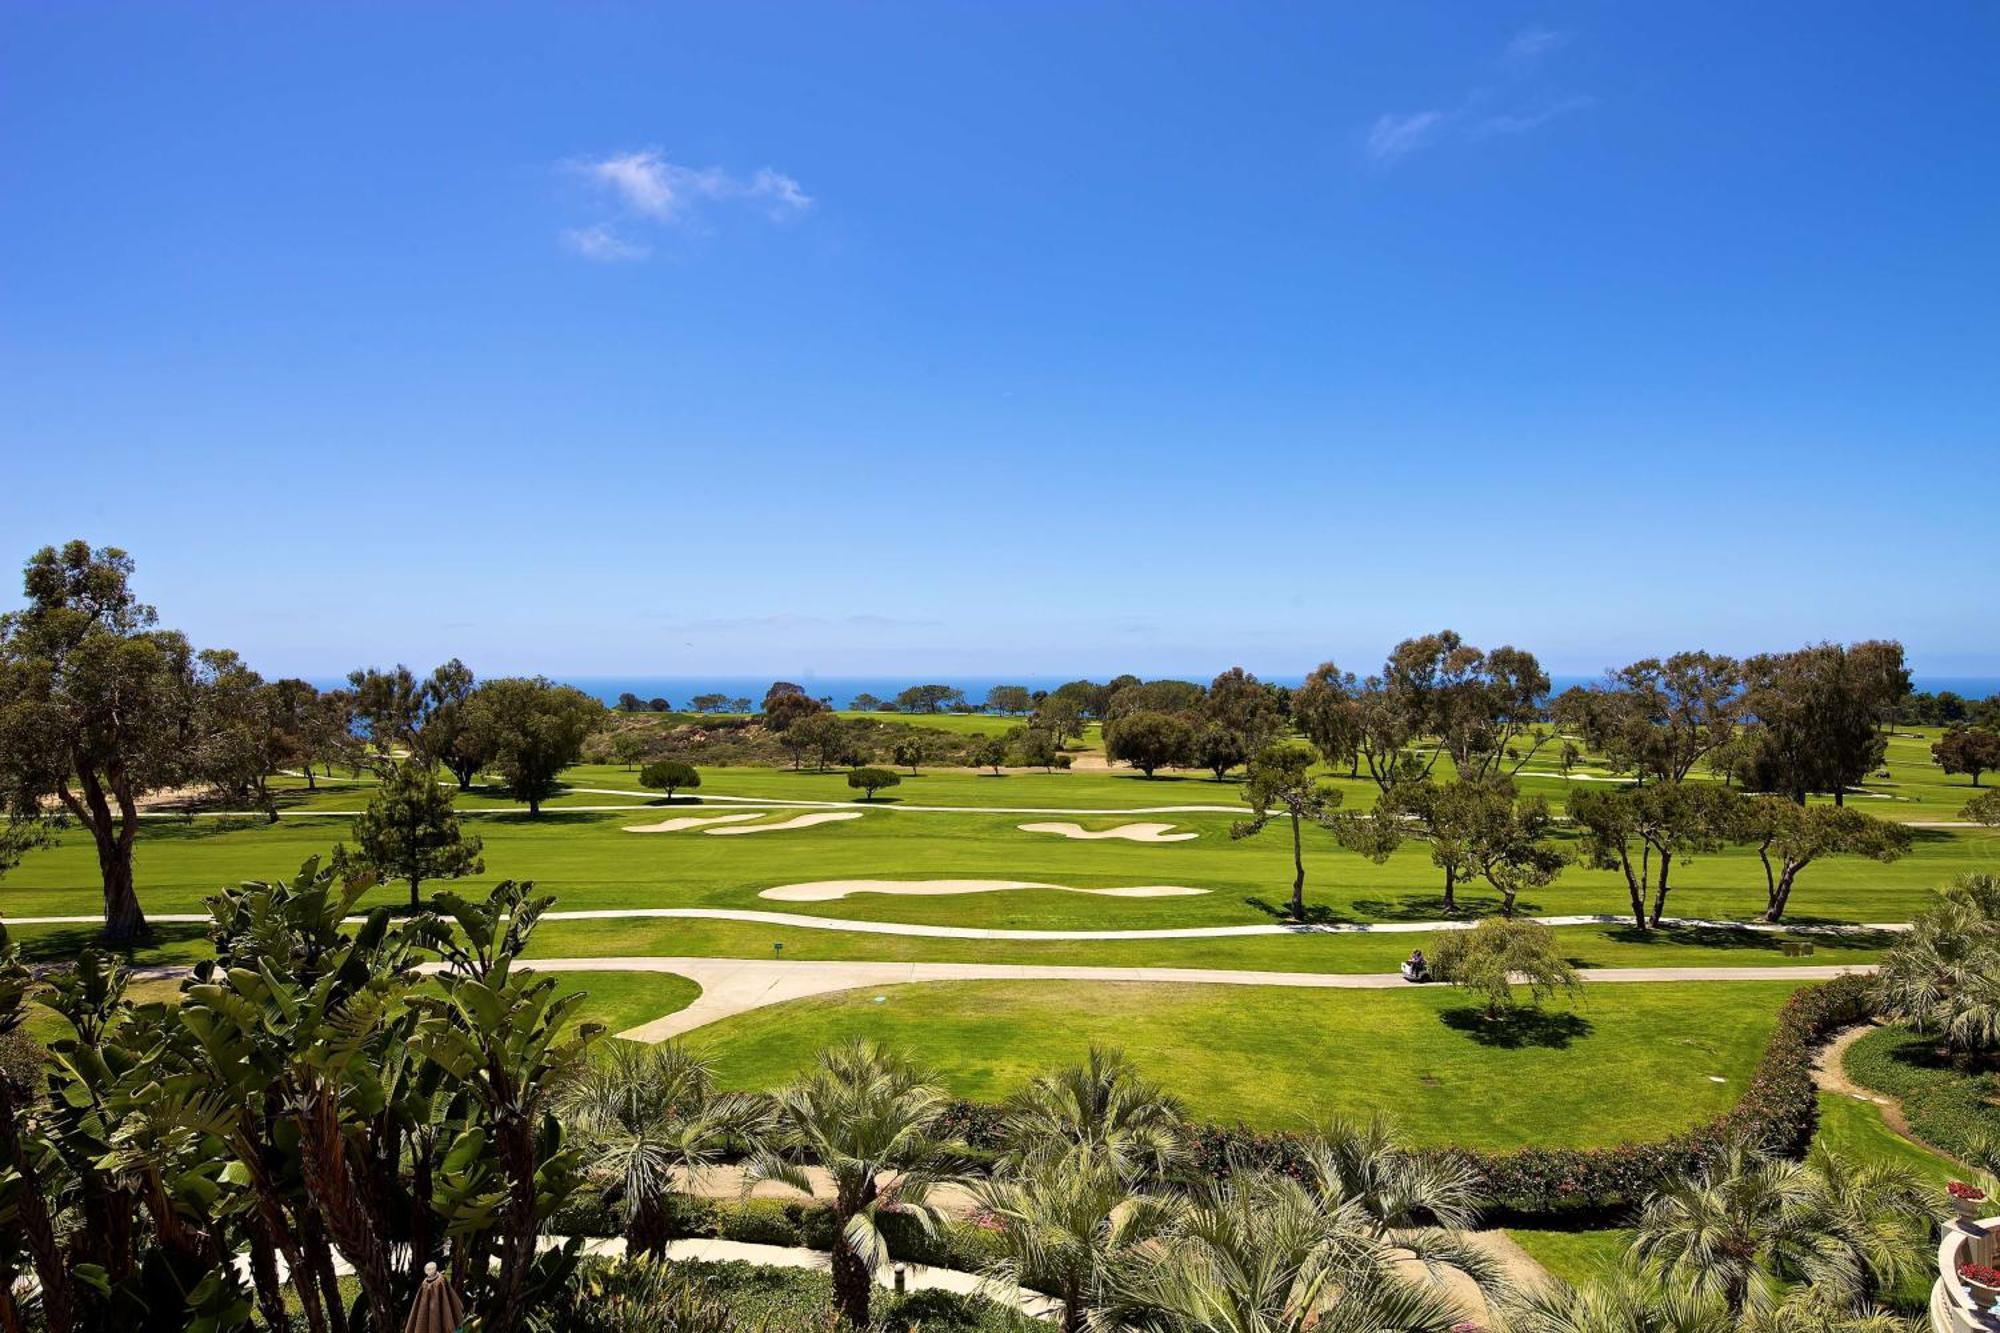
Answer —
1631 1062
621 1000
589 861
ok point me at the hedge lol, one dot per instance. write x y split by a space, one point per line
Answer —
1777 1113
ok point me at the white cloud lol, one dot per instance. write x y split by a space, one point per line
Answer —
1530 46
1395 135
603 244
648 184
1524 121
648 189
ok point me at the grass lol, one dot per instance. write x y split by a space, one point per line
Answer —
1632 1062
1575 1257
589 861
1854 1128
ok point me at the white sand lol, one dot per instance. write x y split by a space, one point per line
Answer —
826 890
691 821
1128 832
797 821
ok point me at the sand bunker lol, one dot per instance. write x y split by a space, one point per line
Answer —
690 821
796 821
826 890
1129 832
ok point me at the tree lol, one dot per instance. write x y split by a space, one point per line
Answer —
236 743
786 705
629 702
1087 697
1659 718
409 832
928 698
1280 781
1497 954
1061 716
1218 748
1791 837
629 745
652 1121
1943 975
325 734
821 734
1747 1226
709 703
868 781
1103 1108
1035 747
859 1113
1148 741
1011 699
445 733
1066 1224
1447 817
1324 710
1131 695
911 752
988 752
1475 702
670 776
388 704
1968 750
96 708
865 703
1643 831
1259 1252
739 705
1247 708
1818 714
534 729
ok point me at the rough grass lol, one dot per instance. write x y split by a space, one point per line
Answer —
1631 1062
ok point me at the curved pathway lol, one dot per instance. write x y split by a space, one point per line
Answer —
731 986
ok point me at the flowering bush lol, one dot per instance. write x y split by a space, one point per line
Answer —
1984 1275
1958 1189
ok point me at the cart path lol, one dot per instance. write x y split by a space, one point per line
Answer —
862 926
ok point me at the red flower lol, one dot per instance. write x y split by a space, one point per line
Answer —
1986 1275
1958 1189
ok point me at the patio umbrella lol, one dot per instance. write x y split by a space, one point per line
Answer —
437 1308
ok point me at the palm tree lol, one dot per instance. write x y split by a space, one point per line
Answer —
1065 1222
1943 976
1261 1253
1624 1301
652 1121
1748 1226
1103 1105
1422 1203
861 1112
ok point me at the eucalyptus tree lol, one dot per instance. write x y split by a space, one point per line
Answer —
1818 715
651 1122
96 709
1326 712
868 1117
1246 708
1658 717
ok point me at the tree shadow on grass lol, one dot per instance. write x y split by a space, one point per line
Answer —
43 945
1514 1029
1421 907
1757 941
1317 914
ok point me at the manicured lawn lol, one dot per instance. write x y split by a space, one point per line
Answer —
1947 1103
1855 1129
1576 1257
1633 1061
621 1000
589 861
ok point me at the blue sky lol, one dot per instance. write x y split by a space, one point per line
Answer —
1008 338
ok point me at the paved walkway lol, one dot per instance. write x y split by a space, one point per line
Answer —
861 926
731 986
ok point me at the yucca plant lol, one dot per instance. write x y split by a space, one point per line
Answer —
1064 1222
1104 1106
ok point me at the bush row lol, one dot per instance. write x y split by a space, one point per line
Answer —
1778 1112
